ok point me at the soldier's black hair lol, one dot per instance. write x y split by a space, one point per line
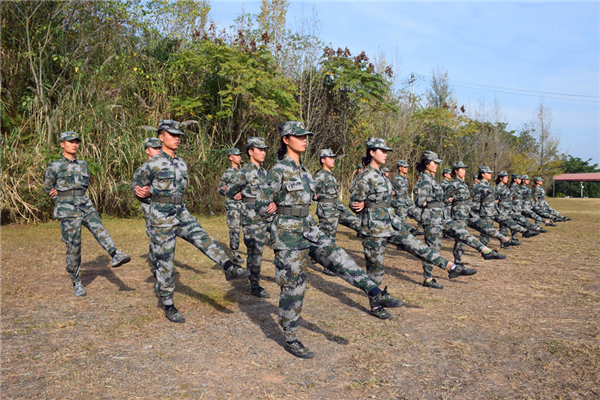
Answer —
498 179
282 150
366 159
248 148
421 165
480 176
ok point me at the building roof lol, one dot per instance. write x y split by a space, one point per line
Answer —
584 177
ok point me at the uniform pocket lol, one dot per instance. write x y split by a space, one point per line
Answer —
85 179
164 180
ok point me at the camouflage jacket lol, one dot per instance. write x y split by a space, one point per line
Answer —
327 188
428 190
502 194
226 179
402 199
248 180
526 195
167 176
444 184
372 186
539 197
64 174
289 184
145 203
484 200
517 197
460 206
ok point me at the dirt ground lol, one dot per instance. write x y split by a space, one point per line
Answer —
527 327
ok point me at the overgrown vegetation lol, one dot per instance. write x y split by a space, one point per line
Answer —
110 70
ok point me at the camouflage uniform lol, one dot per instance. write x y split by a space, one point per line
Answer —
380 224
329 210
232 207
169 218
296 236
541 206
517 208
527 211
430 200
248 180
402 202
145 203
73 208
444 184
504 216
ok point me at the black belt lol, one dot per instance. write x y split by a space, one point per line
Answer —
327 200
434 204
383 204
293 211
249 200
74 192
166 199
457 203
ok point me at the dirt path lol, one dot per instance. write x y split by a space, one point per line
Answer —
526 327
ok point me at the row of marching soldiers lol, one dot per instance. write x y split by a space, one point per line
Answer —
275 205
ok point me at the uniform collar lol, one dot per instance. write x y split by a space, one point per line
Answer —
380 172
75 160
168 157
293 163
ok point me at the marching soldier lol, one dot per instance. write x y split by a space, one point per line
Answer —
541 206
526 195
67 180
517 206
248 181
504 206
402 203
233 204
164 179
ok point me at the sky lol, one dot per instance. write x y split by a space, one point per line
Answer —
521 53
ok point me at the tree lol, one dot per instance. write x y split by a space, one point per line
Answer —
576 165
548 156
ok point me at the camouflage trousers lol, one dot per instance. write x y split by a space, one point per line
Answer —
548 212
163 247
146 210
528 213
524 222
506 223
70 234
328 223
374 251
486 227
290 275
234 223
254 239
457 230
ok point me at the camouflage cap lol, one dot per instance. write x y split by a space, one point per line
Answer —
293 128
257 142
475 176
430 156
485 170
402 163
173 127
457 165
153 142
360 166
446 171
516 176
502 173
525 177
69 135
234 151
385 169
327 153
377 143
538 179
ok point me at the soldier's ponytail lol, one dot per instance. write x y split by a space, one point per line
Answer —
282 150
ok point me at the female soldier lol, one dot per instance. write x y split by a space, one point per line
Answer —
541 206
430 200
371 197
295 235
504 200
526 195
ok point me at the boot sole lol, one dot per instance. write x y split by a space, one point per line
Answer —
123 261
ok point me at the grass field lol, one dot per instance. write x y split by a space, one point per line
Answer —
527 327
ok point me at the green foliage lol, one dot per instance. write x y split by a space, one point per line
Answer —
576 165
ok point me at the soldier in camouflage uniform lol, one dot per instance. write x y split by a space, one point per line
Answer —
517 206
233 205
151 148
402 203
164 179
359 168
456 197
67 180
541 206
289 191
371 198
447 174
430 200
386 172
484 203
248 181
526 195
475 183
504 206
